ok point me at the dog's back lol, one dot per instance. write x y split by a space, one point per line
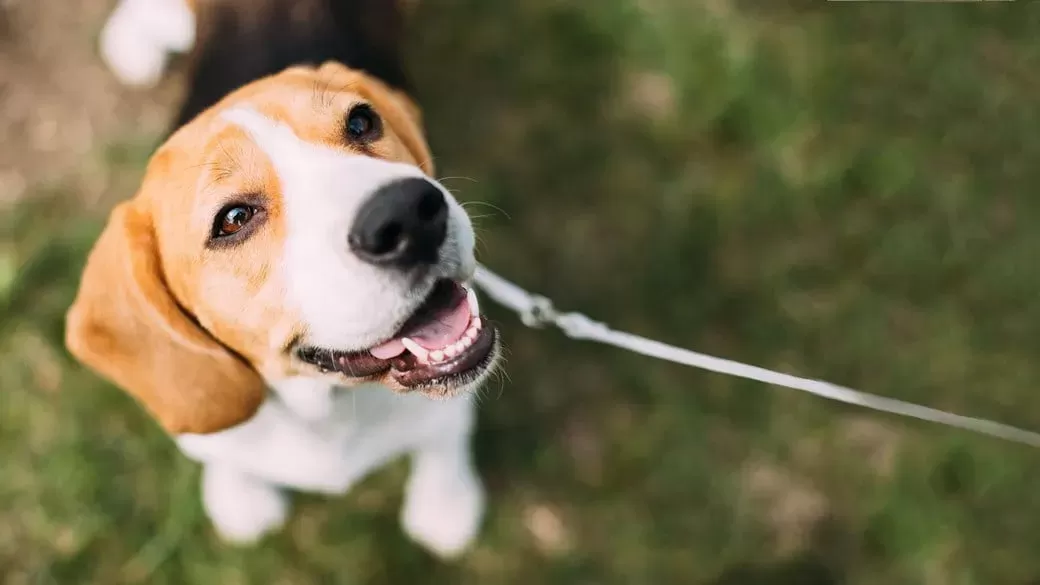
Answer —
234 42
243 40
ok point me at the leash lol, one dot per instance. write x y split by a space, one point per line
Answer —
537 311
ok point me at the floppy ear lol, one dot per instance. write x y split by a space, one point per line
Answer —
125 325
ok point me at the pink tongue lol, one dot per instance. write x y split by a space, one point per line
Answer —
445 329
390 349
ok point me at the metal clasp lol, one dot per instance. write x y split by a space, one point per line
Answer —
540 313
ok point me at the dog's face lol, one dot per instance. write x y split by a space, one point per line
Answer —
292 229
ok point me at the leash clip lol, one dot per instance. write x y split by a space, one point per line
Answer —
540 313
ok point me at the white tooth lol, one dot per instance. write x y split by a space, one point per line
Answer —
477 323
450 351
461 347
471 334
436 356
474 307
417 350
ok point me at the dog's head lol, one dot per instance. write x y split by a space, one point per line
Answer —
292 229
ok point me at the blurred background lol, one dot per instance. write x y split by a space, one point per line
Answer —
842 191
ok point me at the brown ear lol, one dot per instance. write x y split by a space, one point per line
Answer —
126 326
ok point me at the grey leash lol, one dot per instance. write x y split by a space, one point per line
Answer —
538 311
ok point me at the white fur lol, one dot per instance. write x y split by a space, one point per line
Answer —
444 498
311 435
243 509
140 35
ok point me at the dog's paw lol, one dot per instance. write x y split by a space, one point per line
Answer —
443 510
139 36
242 509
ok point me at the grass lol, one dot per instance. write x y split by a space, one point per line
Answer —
841 191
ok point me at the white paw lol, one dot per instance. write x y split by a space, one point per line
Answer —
242 509
139 36
443 509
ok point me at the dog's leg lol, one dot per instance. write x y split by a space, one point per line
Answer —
243 509
139 36
444 497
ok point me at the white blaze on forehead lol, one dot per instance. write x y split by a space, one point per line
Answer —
346 303
276 139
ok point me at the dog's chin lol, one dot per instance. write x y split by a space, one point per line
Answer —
445 348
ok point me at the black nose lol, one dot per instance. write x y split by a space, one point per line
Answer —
403 224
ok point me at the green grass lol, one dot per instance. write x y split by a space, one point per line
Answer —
842 192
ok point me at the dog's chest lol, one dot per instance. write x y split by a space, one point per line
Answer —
371 417
312 436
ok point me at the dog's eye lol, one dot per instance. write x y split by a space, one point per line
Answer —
363 124
232 219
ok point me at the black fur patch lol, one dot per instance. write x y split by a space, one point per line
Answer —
240 41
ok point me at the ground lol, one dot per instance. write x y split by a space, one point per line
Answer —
835 190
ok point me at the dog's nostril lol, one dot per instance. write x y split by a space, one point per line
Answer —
388 239
403 224
431 205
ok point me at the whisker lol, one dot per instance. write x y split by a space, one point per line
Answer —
464 204
478 242
471 179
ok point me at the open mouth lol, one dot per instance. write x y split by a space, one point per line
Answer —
444 343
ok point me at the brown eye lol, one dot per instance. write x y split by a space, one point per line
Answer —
232 219
363 124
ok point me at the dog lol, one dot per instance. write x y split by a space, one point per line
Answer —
287 292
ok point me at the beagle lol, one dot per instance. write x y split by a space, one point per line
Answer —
286 294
